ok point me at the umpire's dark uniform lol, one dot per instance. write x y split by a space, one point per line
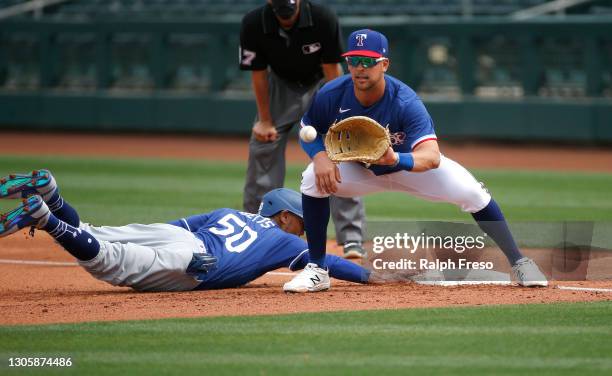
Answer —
293 60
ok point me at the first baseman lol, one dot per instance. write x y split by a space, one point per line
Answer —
221 249
413 164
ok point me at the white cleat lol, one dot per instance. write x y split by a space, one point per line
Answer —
528 274
311 279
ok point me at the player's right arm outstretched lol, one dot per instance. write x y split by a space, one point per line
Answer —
297 258
338 268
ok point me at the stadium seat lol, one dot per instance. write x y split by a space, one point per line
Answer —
188 8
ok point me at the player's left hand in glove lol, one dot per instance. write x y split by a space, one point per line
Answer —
358 139
201 263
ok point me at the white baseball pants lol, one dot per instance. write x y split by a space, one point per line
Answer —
450 182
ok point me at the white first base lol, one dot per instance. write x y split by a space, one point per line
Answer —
462 277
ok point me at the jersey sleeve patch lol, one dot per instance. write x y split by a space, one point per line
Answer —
247 57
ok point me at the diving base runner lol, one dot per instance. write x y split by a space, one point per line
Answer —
221 249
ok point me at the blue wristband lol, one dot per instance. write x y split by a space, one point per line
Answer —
405 162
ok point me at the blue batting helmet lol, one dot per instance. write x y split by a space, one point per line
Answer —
281 199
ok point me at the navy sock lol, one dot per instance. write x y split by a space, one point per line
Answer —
491 220
316 218
62 210
78 243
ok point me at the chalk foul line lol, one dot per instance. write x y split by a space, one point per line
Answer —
34 262
578 288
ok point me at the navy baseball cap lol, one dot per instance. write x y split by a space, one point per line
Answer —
280 199
366 42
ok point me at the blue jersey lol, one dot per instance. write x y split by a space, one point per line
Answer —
400 109
246 246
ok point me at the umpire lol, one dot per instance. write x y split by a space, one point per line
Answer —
291 47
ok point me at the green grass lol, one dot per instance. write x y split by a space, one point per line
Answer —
555 339
119 191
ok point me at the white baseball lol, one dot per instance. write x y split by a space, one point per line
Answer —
308 133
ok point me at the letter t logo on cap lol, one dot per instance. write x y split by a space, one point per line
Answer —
360 39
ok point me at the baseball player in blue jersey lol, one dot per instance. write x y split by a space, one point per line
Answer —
413 164
221 249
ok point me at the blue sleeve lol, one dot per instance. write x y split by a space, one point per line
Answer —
346 270
314 147
338 268
417 123
318 117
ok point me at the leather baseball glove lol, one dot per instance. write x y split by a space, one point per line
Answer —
357 138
